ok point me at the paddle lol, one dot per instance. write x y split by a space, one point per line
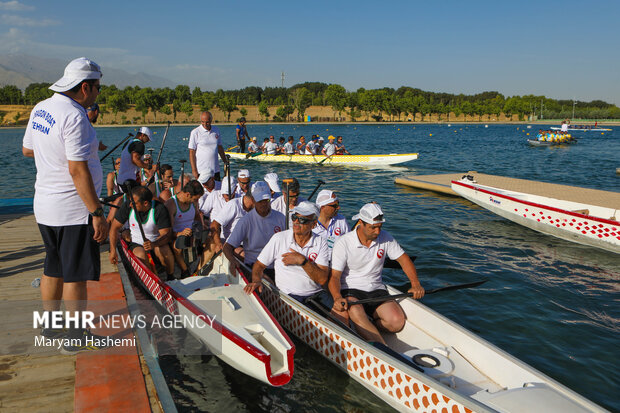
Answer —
119 144
230 190
182 171
135 211
427 292
316 188
161 149
252 155
323 160
286 183
204 268
231 148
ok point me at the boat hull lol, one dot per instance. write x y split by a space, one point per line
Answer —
548 219
268 358
358 160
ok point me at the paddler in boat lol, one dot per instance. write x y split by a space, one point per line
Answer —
131 156
289 147
253 146
271 147
318 149
301 146
255 229
357 265
147 173
279 204
300 259
157 229
174 189
218 198
164 183
183 210
340 149
208 183
224 221
244 182
331 225
112 179
330 148
272 180
281 145
312 145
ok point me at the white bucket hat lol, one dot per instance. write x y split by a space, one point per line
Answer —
370 214
306 209
326 197
205 175
272 181
145 131
243 173
76 71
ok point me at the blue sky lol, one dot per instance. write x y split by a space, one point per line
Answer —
562 49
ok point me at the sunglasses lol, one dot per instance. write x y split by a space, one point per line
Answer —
302 220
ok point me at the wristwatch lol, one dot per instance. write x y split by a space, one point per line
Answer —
304 263
97 212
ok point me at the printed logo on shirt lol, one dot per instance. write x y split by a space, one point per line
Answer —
312 256
276 229
337 231
380 253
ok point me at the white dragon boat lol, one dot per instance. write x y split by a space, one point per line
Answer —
358 160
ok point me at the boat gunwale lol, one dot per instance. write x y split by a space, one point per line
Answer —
276 380
534 204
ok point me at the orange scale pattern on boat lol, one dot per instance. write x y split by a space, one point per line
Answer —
389 382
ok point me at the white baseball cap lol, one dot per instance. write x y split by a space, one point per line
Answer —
225 188
370 214
205 175
260 191
326 197
306 209
321 138
145 131
272 181
77 70
243 173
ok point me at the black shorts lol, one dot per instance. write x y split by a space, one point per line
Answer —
71 253
369 308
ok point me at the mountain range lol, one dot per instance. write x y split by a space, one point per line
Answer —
21 70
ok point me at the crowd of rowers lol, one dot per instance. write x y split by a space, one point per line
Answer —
318 260
315 146
553 136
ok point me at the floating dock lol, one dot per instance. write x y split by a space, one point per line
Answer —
442 183
89 381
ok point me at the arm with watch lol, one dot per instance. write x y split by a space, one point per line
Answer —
317 273
86 190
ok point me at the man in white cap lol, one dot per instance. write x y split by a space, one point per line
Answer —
293 198
209 184
271 147
253 146
331 225
274 186
244 182
254 230
224 221
218 198
66 203
204 145
357 264
132 156
300 259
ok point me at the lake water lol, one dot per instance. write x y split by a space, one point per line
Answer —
549 302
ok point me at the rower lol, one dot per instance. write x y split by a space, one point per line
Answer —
254 230
112 179
131 156
330 148
271 147
176 188
311 146
301 146
244 182
218 198
253 146
289 147
157 229
331 225
300 259
293 198
357 264
340 149
145 174
265 142
274 186
184 211
281 145
164 182
318 149
223 223
209 184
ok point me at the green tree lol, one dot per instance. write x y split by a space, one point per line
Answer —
263 109
182 93
243 112
2 115
165 109
226 105
303 99
117 103
10 95
207 101
187 108
336 97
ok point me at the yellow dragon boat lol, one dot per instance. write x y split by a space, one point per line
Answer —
364 160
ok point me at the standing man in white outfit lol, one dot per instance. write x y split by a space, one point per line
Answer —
66 203
205 143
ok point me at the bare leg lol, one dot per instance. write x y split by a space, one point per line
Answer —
141 254
51 292
363 325
165 255
389 316
178 257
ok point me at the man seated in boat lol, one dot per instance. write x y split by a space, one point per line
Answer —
330 225
183 210
293 199
330 147
281 143
271 147
289 147
218 198
176 188
255 229
311 147
357 265
253 146
340 149
157 228
209 184
164 180
224 221
262 147
299 257
244 182
300 149
274 186
112 179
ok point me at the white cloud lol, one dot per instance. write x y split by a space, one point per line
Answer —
12 20
14 6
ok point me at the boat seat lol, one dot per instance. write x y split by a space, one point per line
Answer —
434 362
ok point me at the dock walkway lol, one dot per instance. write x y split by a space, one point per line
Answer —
90 381
441 183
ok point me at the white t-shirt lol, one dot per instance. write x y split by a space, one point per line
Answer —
565 127
292 279
361 266
205 143
330 149
271 148
203 198
311 148
252 147
288 148
214 202
337 227
59 131
254 232
229 216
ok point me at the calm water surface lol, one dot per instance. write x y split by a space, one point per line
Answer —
549 302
